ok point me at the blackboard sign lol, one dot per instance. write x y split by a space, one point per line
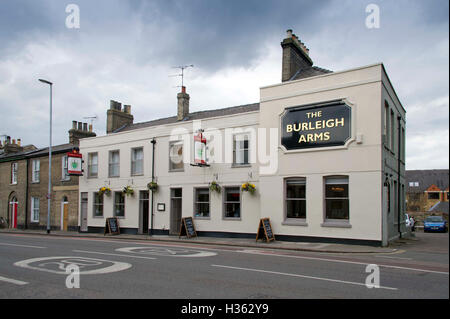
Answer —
187 228
320 125
112 226
265 230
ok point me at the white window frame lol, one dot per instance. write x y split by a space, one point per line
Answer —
196 202
135 161
238 152
115 206
36 169
172 164
35 209
112 164
64 169
14 170
91 165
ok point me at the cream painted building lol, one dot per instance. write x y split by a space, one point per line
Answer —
324 150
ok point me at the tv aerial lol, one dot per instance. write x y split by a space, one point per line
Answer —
182 68
91 118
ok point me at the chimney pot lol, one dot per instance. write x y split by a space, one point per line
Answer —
14 141
289 33
85 127
19 141
74 125
90 127
80 126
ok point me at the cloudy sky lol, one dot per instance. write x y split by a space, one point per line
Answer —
126 50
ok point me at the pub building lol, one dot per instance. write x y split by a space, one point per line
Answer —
322 155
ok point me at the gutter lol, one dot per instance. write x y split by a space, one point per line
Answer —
398 177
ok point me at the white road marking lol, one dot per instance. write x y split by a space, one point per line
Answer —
100 253
301 276
344 261
394 257
62 262
17 245
162 251
13 281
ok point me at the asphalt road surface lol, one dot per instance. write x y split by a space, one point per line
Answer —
33 266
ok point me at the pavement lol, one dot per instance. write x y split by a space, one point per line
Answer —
238 242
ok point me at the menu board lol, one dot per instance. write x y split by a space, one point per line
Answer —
265 230
112 226
187 227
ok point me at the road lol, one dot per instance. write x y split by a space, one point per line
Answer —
33 266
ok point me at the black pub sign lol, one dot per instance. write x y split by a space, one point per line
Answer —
319 125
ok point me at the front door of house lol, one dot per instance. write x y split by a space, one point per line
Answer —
13 213
175 210
84 212
64 214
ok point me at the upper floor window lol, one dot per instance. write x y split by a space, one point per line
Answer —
93 165
392 131
14 168
64 173
114 164
137 161
336 198
36 167
176 156
240 150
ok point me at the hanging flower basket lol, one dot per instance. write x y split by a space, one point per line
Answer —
153 186
104 190
127 190
248 187
214 187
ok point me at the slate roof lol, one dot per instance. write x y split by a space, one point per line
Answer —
309 72
426 178
36 153
193 116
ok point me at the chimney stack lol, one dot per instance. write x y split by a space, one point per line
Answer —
116 117
79 130
183 104
295 56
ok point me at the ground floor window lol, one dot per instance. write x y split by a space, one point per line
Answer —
34 209
201 205
232 202
119 204
336 198
98 205
295 198
434 195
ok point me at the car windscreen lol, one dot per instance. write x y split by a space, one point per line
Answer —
434 219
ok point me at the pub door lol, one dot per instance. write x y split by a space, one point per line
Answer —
175 210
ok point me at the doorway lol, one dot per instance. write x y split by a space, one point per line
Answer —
143 212
84 212
64 213
175 211
13 204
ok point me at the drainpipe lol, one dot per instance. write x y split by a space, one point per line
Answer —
398 177
153 179
26 195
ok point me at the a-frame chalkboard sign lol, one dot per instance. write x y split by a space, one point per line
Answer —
265 230
187 228
112 226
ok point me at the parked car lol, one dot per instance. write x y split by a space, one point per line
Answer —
435 223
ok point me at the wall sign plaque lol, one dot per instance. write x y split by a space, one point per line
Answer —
319 125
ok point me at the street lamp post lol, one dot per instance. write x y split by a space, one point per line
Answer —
49 159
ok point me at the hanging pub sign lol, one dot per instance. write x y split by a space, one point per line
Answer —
320 125
200 149
74 163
